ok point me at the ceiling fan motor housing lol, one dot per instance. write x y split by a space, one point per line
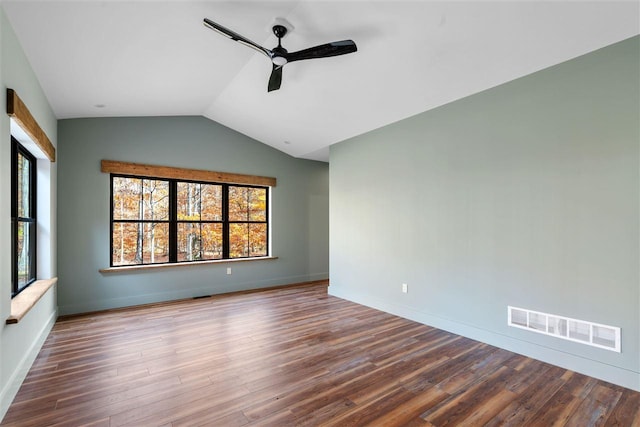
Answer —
279 30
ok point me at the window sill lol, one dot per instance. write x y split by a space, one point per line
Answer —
27 299
130 268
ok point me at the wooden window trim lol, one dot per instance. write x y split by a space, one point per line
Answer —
169 172
26 300
18 111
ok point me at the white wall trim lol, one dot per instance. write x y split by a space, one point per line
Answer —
602 371
17 377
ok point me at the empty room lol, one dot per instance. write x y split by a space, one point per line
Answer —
320 213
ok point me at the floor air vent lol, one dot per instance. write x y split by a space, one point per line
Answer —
594 334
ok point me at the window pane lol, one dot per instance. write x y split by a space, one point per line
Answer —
238 209
189 242
258 240
24 254
156 200
24 186
126 198
211 202
238 240
156 243
189 201
257 202
247 240
211 241
199 202
127 244
199 241
247 204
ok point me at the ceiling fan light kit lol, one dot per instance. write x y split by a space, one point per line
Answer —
279 56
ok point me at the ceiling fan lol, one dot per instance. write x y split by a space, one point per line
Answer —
279 56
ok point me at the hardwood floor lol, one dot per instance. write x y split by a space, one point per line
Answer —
294 356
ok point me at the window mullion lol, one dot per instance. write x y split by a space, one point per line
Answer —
173 221
201 239
225 219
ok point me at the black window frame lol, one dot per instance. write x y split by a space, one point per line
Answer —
173 254
173 220
16 150
228 222
137 221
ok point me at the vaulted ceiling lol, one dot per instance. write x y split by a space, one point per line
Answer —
149 58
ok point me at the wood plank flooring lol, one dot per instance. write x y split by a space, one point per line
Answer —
294 356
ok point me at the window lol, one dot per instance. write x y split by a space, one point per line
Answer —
23 217
140 218
200 225
157 221
247 221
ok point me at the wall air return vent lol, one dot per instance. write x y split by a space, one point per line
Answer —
594 334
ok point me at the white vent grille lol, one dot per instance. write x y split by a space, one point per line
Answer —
594 334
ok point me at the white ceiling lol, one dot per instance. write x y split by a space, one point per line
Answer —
150 58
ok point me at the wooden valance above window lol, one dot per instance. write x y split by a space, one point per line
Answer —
168 172
22 116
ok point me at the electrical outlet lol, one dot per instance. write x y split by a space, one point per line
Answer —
405 288
229 270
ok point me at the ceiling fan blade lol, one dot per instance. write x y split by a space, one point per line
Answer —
323 51
236 37
276 78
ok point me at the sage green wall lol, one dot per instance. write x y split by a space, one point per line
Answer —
526 194
19 343
300 210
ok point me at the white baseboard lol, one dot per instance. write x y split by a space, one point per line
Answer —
8 393
613 374
212 289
